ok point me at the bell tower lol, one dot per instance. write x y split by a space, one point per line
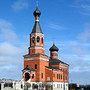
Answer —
40 70
36 36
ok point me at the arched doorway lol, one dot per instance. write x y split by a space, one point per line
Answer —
27 76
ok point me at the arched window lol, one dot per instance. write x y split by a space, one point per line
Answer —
52 54
33 39
42 39
61 76
38 39
41 75
56 54
35 66
32 75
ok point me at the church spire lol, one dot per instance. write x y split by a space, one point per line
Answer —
37 27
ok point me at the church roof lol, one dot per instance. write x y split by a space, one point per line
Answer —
53 48
56 61
55 68
28 68
38 54
36 28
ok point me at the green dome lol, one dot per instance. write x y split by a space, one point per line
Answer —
53 48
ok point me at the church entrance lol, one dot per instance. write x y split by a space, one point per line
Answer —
27 76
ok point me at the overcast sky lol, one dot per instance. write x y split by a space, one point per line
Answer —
64 22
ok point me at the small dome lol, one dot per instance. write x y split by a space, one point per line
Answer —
53 48
37 12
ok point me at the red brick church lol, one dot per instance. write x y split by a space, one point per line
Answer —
41 70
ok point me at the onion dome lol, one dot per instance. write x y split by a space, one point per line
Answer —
37 12
53 48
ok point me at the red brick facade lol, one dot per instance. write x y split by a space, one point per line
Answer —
43 68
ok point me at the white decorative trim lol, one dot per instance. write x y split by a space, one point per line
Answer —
36 34
37 59
44 59
37 20
36 47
